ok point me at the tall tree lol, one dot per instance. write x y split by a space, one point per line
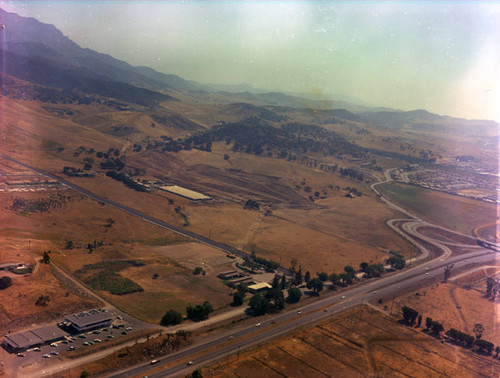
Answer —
307 277
294 295
316 285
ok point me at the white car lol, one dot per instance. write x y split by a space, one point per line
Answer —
342 297
257 325
189 363
46 356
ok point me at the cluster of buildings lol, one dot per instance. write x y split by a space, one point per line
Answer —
234 278
72 324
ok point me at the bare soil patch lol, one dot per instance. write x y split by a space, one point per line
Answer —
361 342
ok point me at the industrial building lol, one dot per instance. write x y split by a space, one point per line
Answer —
183 192
89 320
21 341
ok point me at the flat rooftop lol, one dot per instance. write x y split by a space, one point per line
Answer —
183 192
49 333
259 286
86 318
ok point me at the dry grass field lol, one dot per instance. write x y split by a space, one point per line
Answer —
457 213
359 343
17 303
456 306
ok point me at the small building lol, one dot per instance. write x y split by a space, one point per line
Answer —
89 320
228 274
258 287
21 341
237 281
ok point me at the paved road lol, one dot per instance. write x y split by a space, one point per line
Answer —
220 347
243 337
221 246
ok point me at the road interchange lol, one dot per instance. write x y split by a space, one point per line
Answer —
247 336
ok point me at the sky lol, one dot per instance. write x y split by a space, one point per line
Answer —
440 56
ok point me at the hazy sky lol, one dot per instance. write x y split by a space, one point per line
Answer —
443 57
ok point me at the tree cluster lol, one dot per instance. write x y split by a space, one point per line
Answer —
199 312
5 282
396 262
126 180
171 317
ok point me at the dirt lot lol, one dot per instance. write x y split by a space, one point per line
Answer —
456 306
17 303
359 343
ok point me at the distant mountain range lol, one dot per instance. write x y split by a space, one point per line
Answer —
41 54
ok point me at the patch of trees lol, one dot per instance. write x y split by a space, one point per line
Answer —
460 337
410 315
171 317
112 164
46 257
239 295
179 211
396 262
294 295
5 282
492 287
76 172
316 285
42 300
251 205
199 312
352 173
127 181
254 262
254 136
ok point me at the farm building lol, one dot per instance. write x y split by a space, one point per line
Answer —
258 287
88 320
183 192
228 274
237 281
28 339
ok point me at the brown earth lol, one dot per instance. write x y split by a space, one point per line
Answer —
362 342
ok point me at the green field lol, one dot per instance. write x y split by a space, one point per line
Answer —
454 212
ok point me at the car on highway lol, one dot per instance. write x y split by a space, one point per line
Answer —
153 362
189 363
325 310
257 325
342 297
230 338
299 312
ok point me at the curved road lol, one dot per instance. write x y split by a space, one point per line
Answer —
246 336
